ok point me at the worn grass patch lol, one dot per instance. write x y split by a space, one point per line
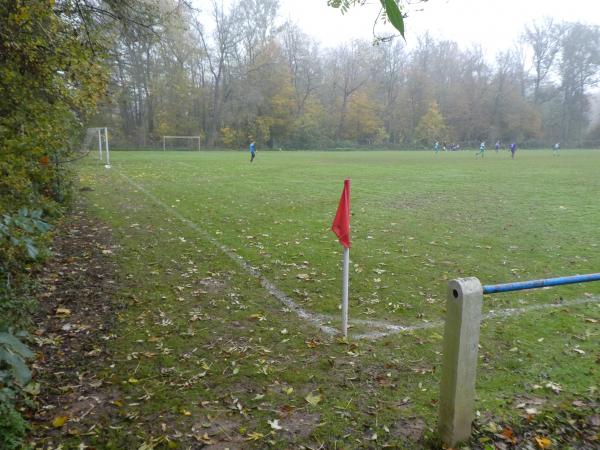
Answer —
205 354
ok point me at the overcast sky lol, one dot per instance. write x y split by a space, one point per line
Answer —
494 24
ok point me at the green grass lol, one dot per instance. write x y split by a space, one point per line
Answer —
215 335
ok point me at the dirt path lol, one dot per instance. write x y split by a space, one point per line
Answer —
72 327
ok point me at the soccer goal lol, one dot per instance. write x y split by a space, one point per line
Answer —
181 143
98 136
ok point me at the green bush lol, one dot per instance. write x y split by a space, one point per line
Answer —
13 427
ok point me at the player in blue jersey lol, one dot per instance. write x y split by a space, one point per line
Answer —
513 150
252 151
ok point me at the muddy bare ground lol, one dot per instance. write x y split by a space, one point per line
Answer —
72 326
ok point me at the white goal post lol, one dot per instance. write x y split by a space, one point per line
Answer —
179 138
98 135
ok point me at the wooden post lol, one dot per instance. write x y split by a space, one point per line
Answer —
461 341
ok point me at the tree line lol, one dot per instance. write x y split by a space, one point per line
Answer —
236 74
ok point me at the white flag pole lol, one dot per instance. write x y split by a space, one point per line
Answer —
346 266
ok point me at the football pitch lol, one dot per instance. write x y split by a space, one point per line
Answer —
237 259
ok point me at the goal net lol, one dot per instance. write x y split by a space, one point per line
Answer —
185 143
96 143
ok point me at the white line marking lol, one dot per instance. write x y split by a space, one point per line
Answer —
315 319
509 312
492 314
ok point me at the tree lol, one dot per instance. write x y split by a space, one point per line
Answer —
349 72
219 53
579 67
50 81
431 127
392 61
303 62
544 38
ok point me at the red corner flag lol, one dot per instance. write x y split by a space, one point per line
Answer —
341 223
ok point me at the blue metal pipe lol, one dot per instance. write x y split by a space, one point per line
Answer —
533 284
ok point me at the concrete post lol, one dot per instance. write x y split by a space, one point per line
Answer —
461 341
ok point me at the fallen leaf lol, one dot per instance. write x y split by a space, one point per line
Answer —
543 442
509 435
63 312
556 388
254 436
205 439
32 389
313 399
275 424
59 421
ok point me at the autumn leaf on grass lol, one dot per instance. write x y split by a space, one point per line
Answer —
543 442
313 343
275 424
556 388
313 399
508 434
205 439
32 389
254 436
63 312
59 421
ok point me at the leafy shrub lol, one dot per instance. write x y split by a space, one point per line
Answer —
14 374
13 368
12 426
20 228
21 242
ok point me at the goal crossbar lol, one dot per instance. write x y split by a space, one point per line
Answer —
180 137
